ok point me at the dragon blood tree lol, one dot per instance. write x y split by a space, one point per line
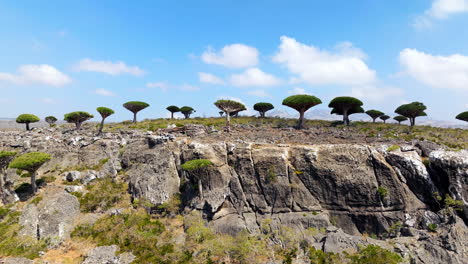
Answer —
197 168
77 118
374 114
173 109
343 104
27 119
187 111
135 107
462 116
30 162
301 103
228 107
262 108
105 113
400 119
51 120
411 111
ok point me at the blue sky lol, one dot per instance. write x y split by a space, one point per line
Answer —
63 56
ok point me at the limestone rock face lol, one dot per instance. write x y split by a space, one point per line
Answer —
52 218
152 170
451 174
347 189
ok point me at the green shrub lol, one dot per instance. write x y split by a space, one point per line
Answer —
317 256
196 164
432 227
102 195
11 244
393 148
133 232
382 191
373 254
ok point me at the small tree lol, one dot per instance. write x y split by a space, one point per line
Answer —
374 114
462 116
301 103
173 109
27 119
221 113
77 118
411 111
262 108
343 104
187 111
51 120
105 113
384 118
355 110
400 119
135 107
229 106
198 169
30 162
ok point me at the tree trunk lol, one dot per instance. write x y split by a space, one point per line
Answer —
384 121
373 120
27 127
300 122
262 114
345 117
33 182
134 117
101 127
78 125
412 121
200 188
172 115
228 122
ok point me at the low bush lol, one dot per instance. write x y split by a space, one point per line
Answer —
102 195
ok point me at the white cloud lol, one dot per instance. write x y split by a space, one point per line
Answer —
41 74
449 72
108 67
232 56
104 92
259 93
344 66
254 77
297 90
376 94
440 9
188 87
161 85
209 78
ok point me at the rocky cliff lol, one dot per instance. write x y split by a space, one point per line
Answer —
351 190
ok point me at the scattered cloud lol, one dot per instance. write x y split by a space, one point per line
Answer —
164 86
254 77
297 90
259 93
232 56
344 65
446 72
376 94
188 87
440 9
37 74
104 92
108 67
209 78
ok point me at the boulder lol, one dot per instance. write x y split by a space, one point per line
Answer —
52 218
107 255
73 176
